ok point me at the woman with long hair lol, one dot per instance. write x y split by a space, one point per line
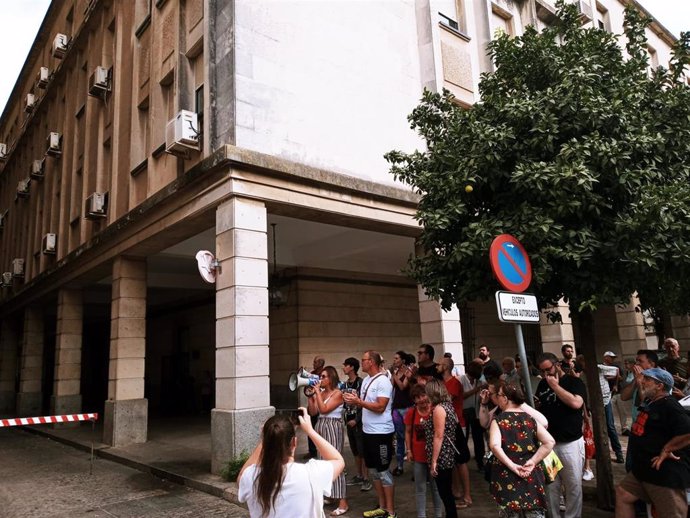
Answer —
400 378
274 485
440 433
415 418
326 401
519 443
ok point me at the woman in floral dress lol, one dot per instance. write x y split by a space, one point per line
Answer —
519 444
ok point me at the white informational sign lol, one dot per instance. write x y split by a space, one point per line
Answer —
518 308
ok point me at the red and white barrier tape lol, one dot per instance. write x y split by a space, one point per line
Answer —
23 421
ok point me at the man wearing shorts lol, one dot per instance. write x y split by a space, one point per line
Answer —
659 420
375 400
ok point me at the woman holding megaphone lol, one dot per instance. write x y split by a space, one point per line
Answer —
274 485
326 401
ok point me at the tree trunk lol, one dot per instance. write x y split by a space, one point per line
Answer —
605 493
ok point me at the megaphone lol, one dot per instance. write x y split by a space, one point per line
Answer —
302 378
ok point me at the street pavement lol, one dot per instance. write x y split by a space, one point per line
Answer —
42 478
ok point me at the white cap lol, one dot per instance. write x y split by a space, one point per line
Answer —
609 353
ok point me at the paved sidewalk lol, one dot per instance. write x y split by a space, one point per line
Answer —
180 451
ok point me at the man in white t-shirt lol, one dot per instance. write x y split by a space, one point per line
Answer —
375 399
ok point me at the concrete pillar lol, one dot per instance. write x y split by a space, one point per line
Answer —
126 410
9 344
30 398
66 397
630 329
242 360
554 336
680 330
441 329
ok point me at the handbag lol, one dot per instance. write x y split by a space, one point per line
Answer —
588 436
551 466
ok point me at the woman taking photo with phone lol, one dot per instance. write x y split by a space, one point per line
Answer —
273 485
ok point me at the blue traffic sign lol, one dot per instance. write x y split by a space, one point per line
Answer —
510 263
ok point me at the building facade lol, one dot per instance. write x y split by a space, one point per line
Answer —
275 165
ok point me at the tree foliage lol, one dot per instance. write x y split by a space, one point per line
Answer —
576 148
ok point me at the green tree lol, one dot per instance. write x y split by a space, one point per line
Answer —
579 150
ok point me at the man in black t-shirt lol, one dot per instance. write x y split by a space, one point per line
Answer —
560 398
426 367
661 418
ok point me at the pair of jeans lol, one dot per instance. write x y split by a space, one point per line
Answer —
444 483
422 477
399 424
611 430
472 426
572 455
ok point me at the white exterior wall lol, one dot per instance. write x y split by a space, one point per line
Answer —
327 84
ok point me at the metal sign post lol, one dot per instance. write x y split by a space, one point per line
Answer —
511 266
519 308
524 365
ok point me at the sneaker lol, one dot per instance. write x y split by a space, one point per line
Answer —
376 513
619 460
397 471
366 485
355 480
588 475
389 515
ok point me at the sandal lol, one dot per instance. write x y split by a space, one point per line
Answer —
463 504
339 511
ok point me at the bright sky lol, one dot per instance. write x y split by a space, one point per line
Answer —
21 19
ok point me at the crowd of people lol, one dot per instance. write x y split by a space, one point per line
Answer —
416 415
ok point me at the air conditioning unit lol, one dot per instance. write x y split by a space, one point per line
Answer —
38 169
43 77
60 45
99 82
17 267
182 133
585 10
7 279
23 188
29 103
54 144
96 206
3 151
49 244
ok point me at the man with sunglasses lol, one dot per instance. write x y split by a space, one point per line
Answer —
560 398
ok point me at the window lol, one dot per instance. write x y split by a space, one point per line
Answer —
602 18
501 20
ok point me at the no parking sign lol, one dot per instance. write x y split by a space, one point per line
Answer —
510 263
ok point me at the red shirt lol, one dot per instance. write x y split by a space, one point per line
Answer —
414 419
454 388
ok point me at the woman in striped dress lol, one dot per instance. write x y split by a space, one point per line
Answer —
327 402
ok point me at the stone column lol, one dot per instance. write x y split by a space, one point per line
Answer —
630 328
441 329
30 398
9 344
680 330
554 336
126 410
242 360
66 397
